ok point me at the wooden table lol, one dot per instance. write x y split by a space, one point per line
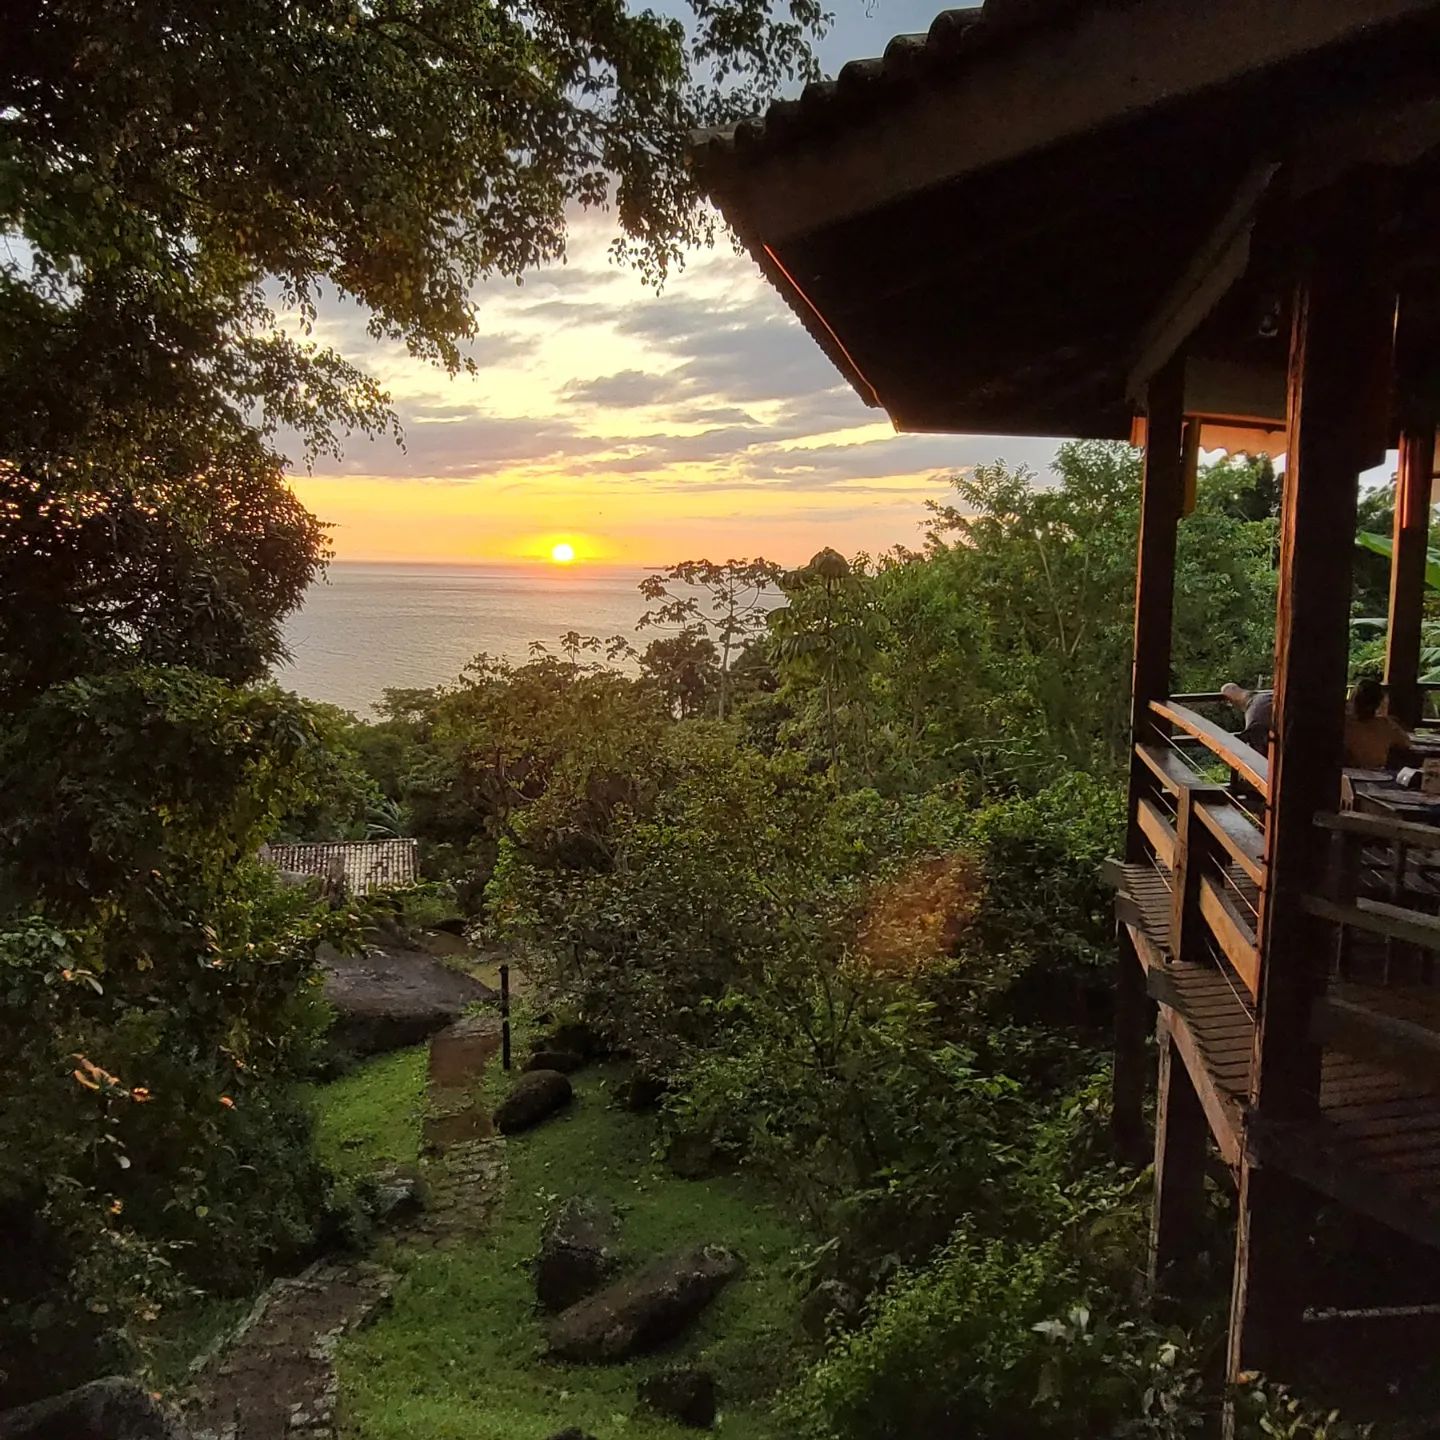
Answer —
1375 792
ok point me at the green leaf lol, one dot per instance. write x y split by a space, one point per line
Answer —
1383 546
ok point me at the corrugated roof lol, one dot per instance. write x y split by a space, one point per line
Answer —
367 865
954 38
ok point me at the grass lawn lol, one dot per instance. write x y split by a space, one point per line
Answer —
458 1357
370 1118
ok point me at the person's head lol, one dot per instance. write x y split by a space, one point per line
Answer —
1366 698
1237 695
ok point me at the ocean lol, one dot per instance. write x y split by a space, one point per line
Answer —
367 628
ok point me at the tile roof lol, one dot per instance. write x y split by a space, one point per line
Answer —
954 39
366 864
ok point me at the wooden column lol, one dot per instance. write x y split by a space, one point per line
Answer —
1150 680
1340 368
1407 571
1181 1133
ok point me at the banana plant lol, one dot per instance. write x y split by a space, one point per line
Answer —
1383 545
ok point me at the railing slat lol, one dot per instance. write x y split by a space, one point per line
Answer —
1249 764
1172 772
1234 936
1159 832
1376 917
1241 839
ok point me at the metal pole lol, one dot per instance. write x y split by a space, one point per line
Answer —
505 1016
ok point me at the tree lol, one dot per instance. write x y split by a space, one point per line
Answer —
168 169
685 669
827 633
1048 574
731 609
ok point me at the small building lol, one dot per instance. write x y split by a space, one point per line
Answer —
364 866
1192 225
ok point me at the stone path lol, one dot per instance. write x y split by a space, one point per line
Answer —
464 1157
274 1378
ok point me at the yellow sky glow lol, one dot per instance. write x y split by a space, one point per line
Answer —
640 429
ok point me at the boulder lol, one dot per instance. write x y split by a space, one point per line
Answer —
640 1093
683 1393
565 1061
116 1408
394 1198
532 1098
644 1310
831 1305
391 996
578 1252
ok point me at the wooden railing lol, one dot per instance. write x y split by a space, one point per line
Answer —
1241 759
1195 878
1203 834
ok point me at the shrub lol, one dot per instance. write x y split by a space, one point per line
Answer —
156 997
989 1340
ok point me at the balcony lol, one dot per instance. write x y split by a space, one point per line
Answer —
1192 901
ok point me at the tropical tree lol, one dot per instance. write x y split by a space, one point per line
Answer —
1047 572
685 668
827 634
730 609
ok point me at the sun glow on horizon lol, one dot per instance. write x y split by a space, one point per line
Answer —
563 553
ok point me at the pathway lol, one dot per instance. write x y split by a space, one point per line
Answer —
274 1377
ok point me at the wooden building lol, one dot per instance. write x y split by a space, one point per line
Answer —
1192 225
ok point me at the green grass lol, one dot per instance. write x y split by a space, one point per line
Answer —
458 1356
369 1120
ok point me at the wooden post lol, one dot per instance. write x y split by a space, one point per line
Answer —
1341 350
505 1017
1150 680
1407 571
1181 1132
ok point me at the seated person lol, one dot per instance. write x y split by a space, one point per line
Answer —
1255 706
1373 739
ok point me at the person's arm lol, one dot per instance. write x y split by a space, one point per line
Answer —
1402 751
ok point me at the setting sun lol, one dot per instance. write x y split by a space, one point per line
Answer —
563 553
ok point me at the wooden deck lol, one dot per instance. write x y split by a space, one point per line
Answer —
1376 1143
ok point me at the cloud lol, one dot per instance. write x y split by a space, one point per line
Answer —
626 389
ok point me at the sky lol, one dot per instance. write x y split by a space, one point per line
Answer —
641 429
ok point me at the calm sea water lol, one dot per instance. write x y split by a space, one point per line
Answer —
367 628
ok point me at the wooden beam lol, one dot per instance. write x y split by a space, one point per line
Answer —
1181 1130
1185 935
1390 1041
1128 911
1220 1115
1378 917
1407 571
1384 828
1238 835
1312 1156
1219 262
1341 357
1171 771
1150 681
